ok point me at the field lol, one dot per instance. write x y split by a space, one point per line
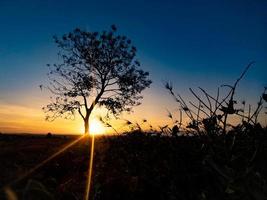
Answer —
135 166
66 172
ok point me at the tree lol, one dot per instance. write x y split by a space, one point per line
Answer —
97 68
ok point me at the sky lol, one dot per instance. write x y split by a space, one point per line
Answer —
191 43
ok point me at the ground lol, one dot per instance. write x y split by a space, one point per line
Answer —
135 166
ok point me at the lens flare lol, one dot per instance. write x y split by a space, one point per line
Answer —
30 171
90 169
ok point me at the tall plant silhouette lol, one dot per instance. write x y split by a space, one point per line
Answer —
211 114
98 68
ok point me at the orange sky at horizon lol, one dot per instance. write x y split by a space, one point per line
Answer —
21 112
27 117
31 120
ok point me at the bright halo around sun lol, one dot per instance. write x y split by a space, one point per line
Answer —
96 127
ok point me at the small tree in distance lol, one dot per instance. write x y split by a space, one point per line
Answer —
98 68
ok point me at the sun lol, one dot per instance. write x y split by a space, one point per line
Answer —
96 127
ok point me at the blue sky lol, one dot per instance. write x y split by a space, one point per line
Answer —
192 43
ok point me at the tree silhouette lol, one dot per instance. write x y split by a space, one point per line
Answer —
98 68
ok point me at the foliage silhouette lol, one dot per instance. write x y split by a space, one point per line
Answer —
211 114
220 161
98 68
139 165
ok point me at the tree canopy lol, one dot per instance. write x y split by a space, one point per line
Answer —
97 68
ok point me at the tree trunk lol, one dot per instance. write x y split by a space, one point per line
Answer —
86 126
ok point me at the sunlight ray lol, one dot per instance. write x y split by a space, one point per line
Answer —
10 194
90 169
30 171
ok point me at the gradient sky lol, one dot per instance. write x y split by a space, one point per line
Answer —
191 43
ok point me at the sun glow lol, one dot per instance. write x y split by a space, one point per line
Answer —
96 127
